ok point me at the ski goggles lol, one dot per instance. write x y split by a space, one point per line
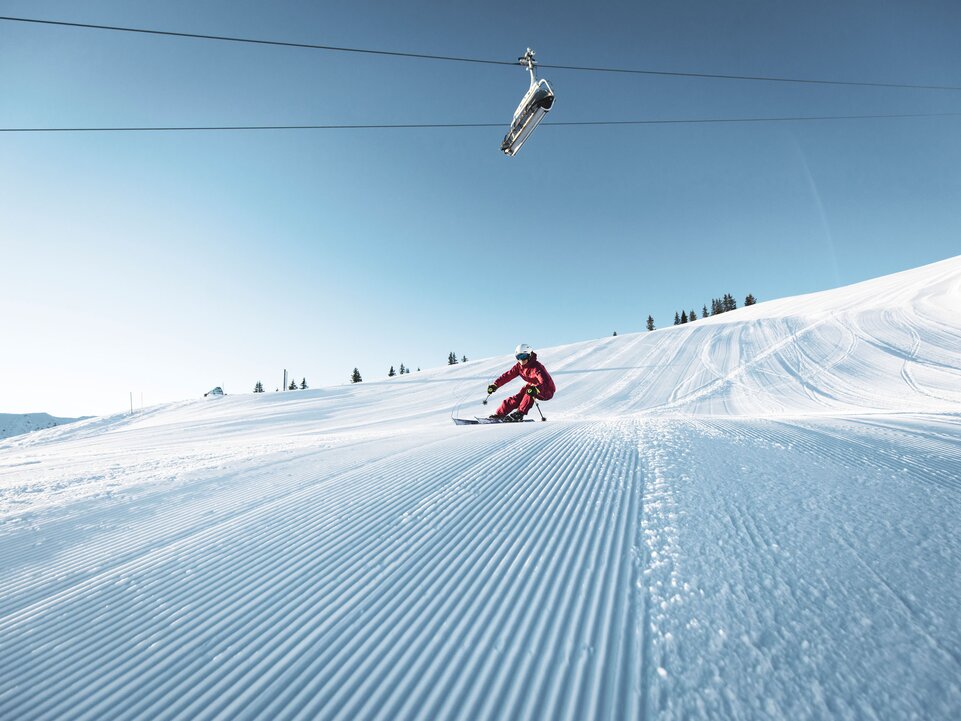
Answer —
522 356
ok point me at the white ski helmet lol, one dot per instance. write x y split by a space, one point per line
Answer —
523 350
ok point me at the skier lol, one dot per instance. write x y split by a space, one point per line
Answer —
540 385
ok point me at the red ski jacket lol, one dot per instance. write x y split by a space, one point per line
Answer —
534 373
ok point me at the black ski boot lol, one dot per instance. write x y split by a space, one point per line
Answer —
514 417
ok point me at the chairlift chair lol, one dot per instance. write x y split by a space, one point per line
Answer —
535 104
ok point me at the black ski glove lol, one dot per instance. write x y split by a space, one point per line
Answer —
491 388
532 391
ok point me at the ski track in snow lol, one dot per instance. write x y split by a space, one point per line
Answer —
574 570
728 520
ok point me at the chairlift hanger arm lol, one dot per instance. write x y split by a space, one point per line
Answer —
527 60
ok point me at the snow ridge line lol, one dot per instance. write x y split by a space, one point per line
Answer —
165 528
173 541
445 701
661 583
368 631
366 587
156 567
449 693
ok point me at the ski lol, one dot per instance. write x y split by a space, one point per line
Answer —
476 421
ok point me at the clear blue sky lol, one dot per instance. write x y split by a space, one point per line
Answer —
165 264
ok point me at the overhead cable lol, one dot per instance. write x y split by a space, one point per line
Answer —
254 41
451 58
407 126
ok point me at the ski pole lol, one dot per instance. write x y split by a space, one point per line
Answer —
538 406
484 402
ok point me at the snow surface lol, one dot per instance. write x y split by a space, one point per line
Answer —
754 516
13 424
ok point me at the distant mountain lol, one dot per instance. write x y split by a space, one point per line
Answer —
14 424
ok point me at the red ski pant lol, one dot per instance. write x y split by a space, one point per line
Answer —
522 401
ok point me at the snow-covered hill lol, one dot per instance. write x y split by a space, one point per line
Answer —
13 424
751 516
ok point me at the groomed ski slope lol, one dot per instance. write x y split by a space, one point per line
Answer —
754 516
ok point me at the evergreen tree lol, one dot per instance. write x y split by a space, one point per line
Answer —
303 384
293 385
615 333
683 316
729 302
391 373
463 359
259 388
750 300
692 316
677 318
716 307
402 369
704 312
650 322
452 359
355 376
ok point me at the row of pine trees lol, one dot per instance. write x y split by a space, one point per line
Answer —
356 377
718 306
259 387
